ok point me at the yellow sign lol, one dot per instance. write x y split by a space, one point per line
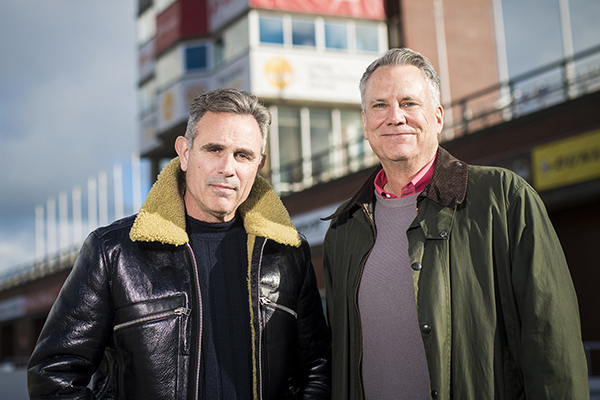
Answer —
279 72
566 162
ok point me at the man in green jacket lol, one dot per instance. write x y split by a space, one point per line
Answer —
444 280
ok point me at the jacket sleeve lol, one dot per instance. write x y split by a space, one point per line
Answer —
314 349
547 344
72 341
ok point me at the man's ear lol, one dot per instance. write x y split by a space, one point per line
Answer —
183 151
263 159
439 118
364 121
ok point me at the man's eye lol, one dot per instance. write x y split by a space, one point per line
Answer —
379 105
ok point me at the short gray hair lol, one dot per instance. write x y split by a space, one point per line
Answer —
228 101
404 56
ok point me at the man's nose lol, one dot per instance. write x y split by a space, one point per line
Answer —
396 115
227 165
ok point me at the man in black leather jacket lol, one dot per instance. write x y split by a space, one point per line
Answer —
207 293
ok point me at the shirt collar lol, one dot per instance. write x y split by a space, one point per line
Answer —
416 184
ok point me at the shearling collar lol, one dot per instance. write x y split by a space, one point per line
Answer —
162 217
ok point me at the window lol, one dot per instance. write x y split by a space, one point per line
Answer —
367 38
315 145
353 140
336 36
271 30
196 58
303 33
320 141
319 33
290 145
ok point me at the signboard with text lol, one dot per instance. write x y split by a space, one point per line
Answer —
300 76
566 162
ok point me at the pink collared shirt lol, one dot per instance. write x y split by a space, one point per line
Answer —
416 184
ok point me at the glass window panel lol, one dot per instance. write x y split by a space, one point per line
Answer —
271 30
196 58
290 145
303 33
320 141
352 137
336 36
367 38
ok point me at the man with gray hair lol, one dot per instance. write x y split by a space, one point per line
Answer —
444 280
207 293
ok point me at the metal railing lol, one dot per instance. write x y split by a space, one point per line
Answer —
533 91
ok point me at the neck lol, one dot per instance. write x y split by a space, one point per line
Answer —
400 173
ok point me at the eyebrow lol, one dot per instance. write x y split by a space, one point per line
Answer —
405 98
217 147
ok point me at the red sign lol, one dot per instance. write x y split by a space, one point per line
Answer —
367 9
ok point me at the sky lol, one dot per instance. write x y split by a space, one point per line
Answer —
68 105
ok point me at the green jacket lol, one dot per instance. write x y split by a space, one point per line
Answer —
495 301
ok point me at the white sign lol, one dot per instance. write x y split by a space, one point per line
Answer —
300 76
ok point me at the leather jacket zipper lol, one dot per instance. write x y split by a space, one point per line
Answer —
260 323
196 376
154 317
268 303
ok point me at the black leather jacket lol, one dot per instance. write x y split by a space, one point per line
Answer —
130 311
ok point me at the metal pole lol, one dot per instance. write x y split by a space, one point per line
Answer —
569 50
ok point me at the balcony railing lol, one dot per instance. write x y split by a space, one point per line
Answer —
536 90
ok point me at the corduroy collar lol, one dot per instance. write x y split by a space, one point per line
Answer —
448 185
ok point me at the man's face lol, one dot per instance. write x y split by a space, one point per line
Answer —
221 165
399 120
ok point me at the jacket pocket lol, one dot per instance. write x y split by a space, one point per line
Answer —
150 310
150 344
154 317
